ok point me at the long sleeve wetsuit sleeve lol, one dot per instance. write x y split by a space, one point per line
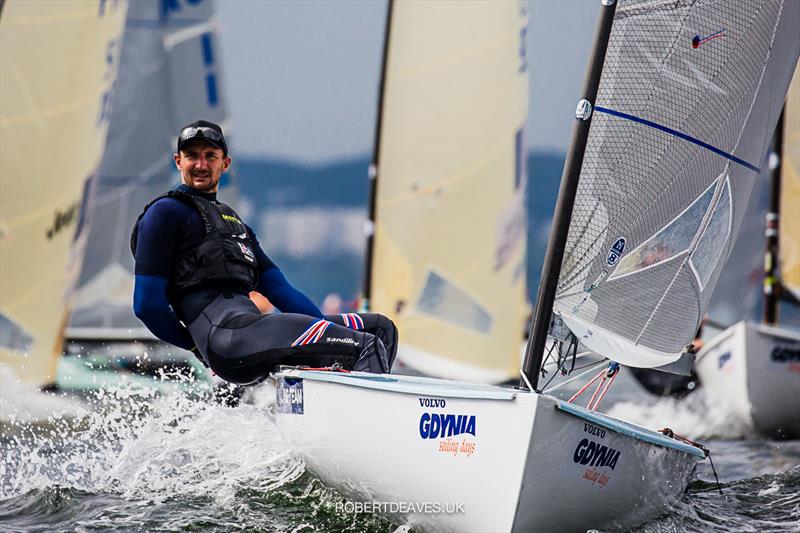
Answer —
158 235
274 285
151 307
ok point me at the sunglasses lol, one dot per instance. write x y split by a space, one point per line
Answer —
206 132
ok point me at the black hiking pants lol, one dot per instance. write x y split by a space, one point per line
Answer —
243 346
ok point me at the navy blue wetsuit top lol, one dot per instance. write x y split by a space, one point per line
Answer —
168 223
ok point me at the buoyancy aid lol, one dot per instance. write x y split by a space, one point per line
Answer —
224 259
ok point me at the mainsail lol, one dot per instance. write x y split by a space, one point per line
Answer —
449 256
789 234
58 62
168 77
688 99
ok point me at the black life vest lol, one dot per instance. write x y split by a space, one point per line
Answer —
224 259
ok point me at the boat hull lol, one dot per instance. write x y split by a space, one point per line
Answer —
513 461
752 372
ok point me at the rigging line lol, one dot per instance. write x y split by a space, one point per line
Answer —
579 376
681 135
587 353
605 390
555 373
543 371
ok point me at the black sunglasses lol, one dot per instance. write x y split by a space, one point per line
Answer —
208 133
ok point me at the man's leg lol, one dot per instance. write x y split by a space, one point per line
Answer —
243 346
374 323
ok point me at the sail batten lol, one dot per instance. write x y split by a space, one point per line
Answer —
680 135
688 98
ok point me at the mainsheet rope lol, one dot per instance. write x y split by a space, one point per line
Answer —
667 432
606 377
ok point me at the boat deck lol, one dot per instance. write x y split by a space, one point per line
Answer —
411 384
628 429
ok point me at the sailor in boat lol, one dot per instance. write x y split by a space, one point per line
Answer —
196 265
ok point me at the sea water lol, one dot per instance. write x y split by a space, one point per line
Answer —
135 460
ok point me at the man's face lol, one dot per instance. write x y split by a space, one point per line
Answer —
201 165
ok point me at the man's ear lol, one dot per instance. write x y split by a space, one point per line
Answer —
227 162
177 158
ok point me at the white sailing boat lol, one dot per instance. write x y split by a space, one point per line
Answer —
169 75
58 63
447 258
659 169
750 370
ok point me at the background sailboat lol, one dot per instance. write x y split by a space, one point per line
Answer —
447 261
169 75
58 64
751 370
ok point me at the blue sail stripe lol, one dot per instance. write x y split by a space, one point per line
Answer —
679 134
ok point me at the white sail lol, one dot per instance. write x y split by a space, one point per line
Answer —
449 252
789 233
169 75
58 62
688 100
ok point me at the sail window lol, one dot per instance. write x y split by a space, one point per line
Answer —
13 336
449 303
672 240
709 249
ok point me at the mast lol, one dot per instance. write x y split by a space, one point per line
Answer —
566 197
772 287
373 168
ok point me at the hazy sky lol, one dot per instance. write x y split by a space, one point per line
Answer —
301 77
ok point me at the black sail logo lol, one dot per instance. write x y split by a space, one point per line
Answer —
63 219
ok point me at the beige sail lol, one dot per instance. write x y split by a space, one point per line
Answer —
58 62
449 256
790 192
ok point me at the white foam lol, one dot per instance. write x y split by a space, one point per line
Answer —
773 488
151 447
691 417
22 402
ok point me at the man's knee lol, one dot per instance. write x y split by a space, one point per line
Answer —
374 357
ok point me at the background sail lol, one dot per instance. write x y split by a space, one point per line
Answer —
688 100
168 77
58 61
449 250
790 193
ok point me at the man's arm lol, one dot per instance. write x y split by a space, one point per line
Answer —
155 249
274 285
151 307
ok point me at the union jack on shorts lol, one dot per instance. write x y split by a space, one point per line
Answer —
353 321
312 334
